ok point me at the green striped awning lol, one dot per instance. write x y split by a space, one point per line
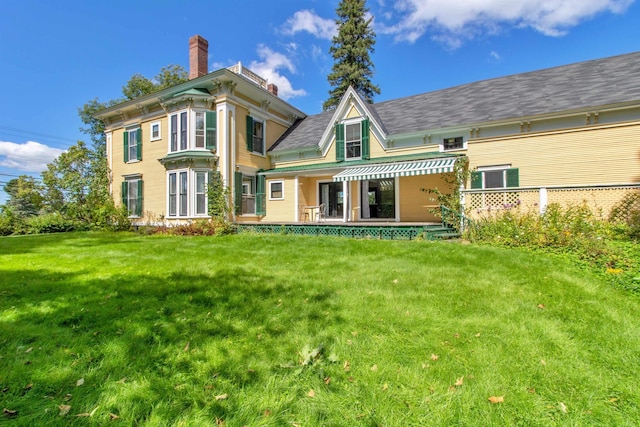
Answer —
392 170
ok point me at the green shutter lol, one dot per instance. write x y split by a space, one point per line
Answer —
139 210
125 148
125 190
339 142
365 139
261 195
250 134
210 135
237 190
513 177
476 180
139 143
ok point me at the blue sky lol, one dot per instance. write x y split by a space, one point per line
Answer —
57 55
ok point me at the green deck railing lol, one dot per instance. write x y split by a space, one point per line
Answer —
453 219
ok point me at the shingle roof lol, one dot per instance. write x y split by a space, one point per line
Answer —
577 86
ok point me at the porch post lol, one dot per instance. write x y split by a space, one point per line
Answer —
396 195
346 202
543 200
296 198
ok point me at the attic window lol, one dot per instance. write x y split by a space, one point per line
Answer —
455 143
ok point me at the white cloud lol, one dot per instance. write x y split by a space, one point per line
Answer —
495 55
309 21
454 21
28 157
269 67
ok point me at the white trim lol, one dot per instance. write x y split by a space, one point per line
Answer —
296 198
328 136
151 125
109 152
277 181
493 167
396 195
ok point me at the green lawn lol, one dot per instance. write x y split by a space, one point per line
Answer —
122 329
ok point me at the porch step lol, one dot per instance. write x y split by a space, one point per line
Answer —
440 233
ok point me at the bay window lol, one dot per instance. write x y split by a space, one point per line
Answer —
187 193
192 130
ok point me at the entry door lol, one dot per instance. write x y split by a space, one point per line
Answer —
332 196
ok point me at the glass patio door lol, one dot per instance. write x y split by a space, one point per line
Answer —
378 199
332 196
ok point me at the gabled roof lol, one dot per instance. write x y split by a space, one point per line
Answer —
597 83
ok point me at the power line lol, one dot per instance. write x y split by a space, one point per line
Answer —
30 132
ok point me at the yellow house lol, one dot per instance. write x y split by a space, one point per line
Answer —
567 134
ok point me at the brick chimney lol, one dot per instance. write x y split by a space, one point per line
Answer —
198 57
273 89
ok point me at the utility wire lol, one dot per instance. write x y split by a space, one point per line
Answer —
30 132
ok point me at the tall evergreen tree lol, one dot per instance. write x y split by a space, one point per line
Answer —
350 49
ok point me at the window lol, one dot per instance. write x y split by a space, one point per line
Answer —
352 141
248 194
276 190
187 193
201 193
132 196
495 177
132 145
255 136
192 130
154 131
456 143
199 129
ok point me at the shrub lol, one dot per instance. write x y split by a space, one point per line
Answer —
202 227
574 231
626 215
51 223
8 221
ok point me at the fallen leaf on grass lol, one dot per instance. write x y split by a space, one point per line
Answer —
374 368
122 380
222 396
531 390
311 393
327 380
459 381
113 416
496 399
541 306
64 409
563 407
9 412
346 366
186 347
385 387
434 356
477 335
542 362
29 350
613 400
28 386
84 414
79 382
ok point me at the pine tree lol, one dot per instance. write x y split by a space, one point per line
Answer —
350 49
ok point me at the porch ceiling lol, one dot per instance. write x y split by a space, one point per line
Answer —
392 170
